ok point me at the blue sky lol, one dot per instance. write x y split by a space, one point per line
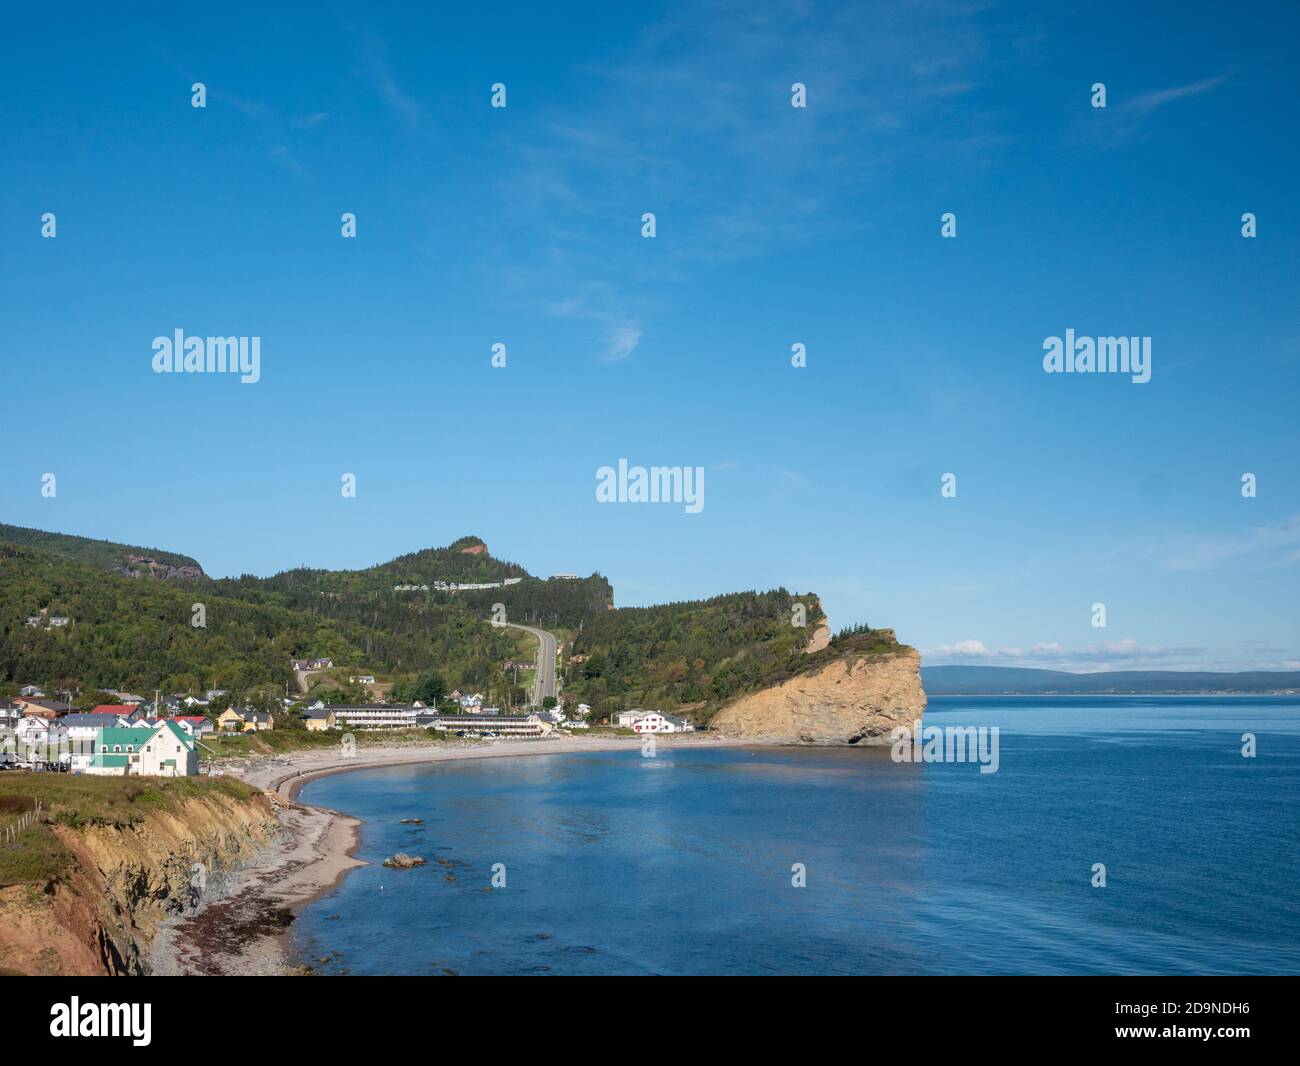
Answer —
775 225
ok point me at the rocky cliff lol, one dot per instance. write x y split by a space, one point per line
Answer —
855 692
144 566
123 881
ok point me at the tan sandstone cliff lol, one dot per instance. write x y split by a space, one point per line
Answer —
124 880
856 696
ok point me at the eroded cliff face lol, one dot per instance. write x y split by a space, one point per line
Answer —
855 699
125 881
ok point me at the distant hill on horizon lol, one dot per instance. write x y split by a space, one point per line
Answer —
1025 681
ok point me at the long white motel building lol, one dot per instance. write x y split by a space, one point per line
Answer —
515 725
375 716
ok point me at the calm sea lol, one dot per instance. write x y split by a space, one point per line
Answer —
682 864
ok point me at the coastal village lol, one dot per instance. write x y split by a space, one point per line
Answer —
175 735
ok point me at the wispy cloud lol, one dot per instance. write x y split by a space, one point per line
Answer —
280 154
269 122
1141 106
1125 654
379 72
1119 122
692 120
619 333
1271 541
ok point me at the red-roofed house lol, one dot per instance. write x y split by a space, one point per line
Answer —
126 711
196 725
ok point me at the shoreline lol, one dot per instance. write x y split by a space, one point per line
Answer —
245 929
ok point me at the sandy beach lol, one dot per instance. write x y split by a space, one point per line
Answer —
244 927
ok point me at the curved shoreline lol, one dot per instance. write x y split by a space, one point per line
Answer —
247 930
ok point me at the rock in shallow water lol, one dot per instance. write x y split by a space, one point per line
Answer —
403 861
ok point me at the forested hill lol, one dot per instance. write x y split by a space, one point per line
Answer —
103 554
397 620
697 655
467 561
137 632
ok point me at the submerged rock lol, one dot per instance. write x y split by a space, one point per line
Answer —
403 861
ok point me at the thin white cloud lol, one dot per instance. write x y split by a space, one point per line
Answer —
1146 103
620 333
621 341
376 68
1125 654
963 649
1209 552
1117 123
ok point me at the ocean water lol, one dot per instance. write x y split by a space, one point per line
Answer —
682 864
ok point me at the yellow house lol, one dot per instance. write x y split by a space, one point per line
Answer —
319 721
230 719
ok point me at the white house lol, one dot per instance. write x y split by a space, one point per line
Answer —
654 722
84 731
34 730
170 752
40 741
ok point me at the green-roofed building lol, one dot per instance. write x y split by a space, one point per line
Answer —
167 751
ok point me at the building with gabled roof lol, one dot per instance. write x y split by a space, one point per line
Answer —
169 752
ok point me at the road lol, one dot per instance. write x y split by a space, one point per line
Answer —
544 680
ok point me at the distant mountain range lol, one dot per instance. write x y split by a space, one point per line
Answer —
1019 681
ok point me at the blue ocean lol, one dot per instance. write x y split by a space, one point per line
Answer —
841 861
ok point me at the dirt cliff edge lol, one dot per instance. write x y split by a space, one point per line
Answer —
854 698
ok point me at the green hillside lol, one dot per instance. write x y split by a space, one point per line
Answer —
103 554
136 633
696 653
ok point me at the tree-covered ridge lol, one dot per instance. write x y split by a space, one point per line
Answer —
698 653
137 634
103 554
358 594
554 604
